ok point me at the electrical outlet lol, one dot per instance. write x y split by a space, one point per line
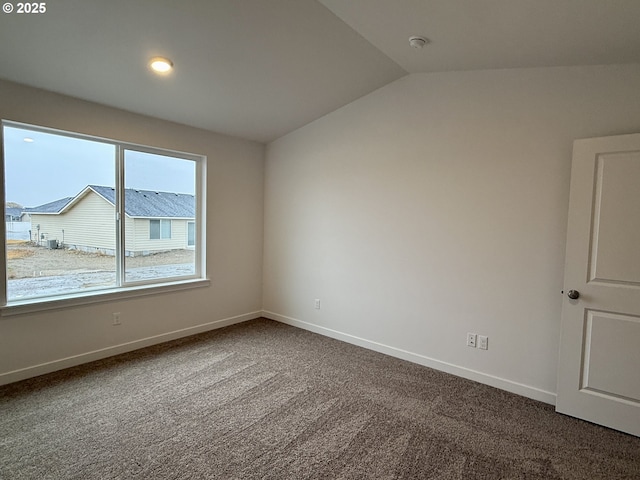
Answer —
317 303
483 342
116 318
471 340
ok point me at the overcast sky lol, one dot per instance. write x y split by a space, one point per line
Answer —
52 167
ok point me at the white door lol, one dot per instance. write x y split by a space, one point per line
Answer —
599 363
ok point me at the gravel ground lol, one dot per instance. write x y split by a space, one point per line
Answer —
39 271
42 262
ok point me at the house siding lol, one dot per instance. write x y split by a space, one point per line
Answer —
144 244
130 236
88 225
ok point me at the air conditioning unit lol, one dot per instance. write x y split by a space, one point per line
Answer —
52 244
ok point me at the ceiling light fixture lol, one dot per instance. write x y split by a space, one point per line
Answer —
28 139
418 42
161 65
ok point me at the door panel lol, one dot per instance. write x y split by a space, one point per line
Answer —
610 344
599 363
615 256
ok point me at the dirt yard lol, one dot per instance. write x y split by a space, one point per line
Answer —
25 260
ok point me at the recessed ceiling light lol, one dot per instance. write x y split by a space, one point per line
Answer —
28 139
161 65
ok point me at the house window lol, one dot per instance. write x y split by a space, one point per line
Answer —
191 234
159 229
99 215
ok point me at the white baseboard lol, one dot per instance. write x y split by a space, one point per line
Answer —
75 360
501 383
504 384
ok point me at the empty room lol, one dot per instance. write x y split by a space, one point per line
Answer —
320 239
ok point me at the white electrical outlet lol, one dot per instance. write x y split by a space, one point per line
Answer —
116 318
471 340
483 342
317 303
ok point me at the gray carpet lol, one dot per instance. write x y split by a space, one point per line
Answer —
262 400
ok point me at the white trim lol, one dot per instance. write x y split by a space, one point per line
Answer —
201 217
487 379
41 304
120 215
55 365
3 227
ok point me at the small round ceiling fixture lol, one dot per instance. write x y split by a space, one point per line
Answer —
418 42
161 65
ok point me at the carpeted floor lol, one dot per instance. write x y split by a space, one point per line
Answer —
263 400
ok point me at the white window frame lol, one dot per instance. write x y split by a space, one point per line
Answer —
123 288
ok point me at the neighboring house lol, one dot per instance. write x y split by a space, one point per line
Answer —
17 223
154 221
12 214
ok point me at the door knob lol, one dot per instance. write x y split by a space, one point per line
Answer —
573 294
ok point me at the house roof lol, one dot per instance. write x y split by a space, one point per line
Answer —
13 211
52 207
138 203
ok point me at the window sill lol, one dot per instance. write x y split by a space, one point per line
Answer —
88 298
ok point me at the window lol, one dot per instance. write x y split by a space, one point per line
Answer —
160 229
98 215
191 234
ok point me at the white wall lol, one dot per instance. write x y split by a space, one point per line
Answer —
437 206
35 343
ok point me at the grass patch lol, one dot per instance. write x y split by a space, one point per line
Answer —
18 254
17 242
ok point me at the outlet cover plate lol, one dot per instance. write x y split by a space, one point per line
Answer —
471 340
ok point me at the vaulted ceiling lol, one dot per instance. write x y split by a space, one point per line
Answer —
259 69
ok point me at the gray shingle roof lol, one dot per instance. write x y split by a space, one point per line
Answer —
138 203
13 211
51 207
150 204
